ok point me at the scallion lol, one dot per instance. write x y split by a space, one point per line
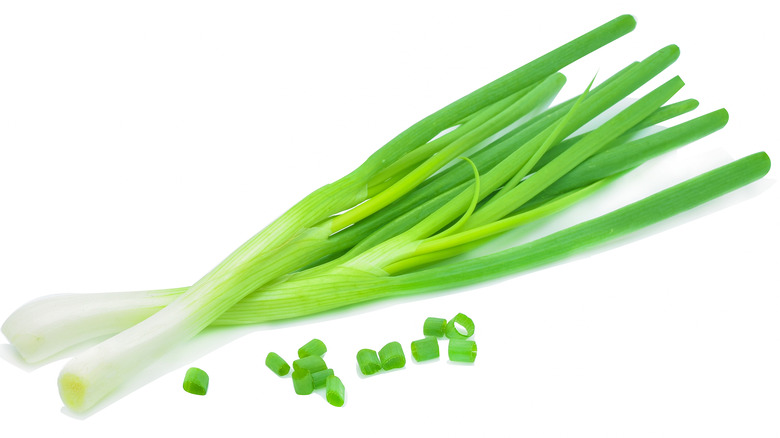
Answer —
372 233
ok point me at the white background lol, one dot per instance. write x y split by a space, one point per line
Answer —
140 142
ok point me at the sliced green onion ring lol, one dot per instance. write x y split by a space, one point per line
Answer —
334 391
425 349
391 356
303 383
196 381
368 362
461 320
315 347
462 350
434 327
311 364
276 364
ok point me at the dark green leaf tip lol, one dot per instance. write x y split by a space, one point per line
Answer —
673 49
723 114
627 21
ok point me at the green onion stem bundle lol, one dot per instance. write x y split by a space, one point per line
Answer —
490 162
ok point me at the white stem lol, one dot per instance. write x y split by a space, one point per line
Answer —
51 324
89 377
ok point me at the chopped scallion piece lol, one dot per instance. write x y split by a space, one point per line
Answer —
462 350
460 320
334 391
315 347
277 364
425 349
368 362
302 382
392 356
434 327
311 364
196 381
320 376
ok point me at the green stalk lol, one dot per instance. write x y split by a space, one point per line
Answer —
420 154
300 294
472 206
600 99
343 286
568 160
404 245
500 120
589 234
663 114
605 164
554 137
629 155
525 76
668 112
439 248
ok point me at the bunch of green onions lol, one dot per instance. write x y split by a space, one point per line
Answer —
485 164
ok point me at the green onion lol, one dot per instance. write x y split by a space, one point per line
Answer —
368 362
283 301
599 99
425 349
462 350
371 234
460 320
334 391
196 381
434 327
303 383
299 237
315 347
276 364
311 364
319 377
391 356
